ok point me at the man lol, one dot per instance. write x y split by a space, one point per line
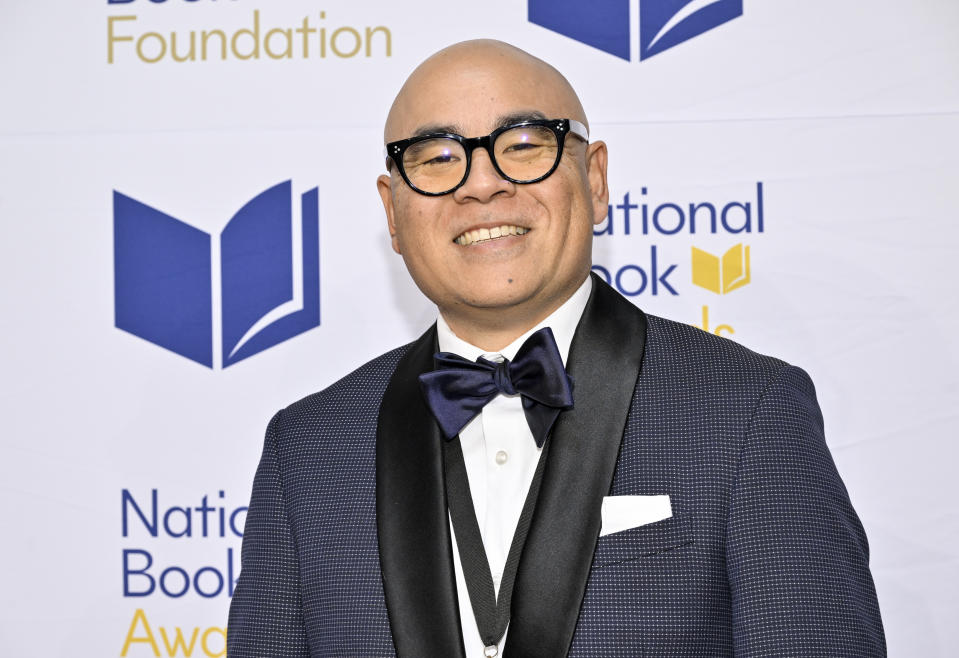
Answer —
672 496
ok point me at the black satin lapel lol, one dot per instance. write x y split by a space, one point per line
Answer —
604 361
411 517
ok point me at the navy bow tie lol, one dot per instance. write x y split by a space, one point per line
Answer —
459 389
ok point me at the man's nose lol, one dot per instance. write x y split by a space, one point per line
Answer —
483 183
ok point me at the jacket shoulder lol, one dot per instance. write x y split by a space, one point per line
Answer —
691 350
356 395
712 373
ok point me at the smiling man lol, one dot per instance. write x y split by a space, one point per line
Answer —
547 471
490 290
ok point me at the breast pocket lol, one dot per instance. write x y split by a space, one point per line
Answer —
643 541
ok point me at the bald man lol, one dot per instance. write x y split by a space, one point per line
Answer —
547 471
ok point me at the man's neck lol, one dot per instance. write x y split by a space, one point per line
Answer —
494 335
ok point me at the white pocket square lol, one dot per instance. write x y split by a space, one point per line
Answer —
625 512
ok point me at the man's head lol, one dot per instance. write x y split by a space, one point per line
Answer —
492 290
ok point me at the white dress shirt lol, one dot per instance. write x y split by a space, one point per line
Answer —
501 456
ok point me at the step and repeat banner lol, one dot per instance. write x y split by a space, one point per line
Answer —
192 239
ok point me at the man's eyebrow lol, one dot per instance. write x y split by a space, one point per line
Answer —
520 117
435 128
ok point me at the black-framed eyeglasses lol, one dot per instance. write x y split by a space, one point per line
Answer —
525 152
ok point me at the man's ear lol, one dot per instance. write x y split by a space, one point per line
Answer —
596 159
384 187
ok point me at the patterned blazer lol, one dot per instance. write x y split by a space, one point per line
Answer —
346 551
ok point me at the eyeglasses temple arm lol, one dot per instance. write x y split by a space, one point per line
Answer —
578 129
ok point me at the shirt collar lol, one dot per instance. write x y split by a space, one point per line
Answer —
562 321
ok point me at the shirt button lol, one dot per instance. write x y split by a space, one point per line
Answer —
501 457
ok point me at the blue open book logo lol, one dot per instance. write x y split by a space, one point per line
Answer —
269 276
605 24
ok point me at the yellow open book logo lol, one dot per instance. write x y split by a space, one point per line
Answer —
721 275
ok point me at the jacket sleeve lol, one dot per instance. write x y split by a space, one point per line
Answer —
797 556
266 613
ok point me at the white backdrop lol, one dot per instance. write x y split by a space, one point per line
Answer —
847 114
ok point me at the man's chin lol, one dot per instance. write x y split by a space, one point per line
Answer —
507 297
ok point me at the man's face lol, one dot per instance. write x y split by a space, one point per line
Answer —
544 249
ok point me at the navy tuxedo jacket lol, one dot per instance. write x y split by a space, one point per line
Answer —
347 552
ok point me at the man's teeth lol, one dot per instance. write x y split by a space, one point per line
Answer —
484 234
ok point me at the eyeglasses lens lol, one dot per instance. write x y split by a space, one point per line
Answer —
435 165
526 153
